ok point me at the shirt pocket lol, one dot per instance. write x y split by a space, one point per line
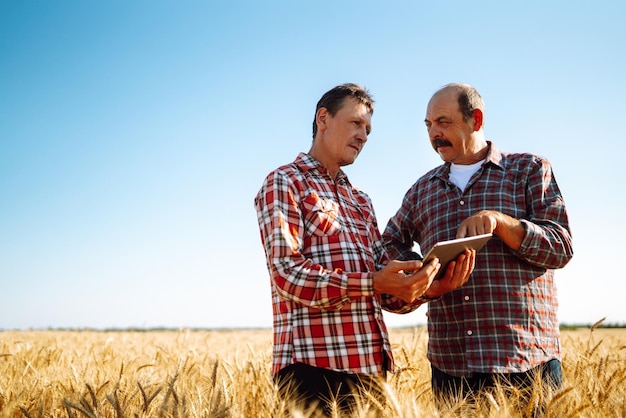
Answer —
321 216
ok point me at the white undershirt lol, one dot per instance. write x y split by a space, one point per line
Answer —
461 174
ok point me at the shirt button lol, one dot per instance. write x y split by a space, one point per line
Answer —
462 202
466 298
469 332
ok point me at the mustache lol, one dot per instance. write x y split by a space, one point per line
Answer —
440 142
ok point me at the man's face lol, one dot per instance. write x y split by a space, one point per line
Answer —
345 133
450 136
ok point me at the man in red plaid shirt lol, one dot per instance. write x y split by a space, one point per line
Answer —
330 276
502 326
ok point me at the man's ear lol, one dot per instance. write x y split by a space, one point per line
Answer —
321 118
478 119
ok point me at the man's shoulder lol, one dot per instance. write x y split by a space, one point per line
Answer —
438 171
521 159
298 166
289 168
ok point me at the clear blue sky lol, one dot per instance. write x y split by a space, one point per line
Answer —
135 134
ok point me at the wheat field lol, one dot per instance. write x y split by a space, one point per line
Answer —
225 373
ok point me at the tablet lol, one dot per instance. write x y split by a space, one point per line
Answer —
448 251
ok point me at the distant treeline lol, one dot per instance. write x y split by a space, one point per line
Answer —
564 327
567 327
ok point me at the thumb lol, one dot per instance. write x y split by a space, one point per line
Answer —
397 265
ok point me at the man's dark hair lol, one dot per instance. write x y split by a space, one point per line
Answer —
469 99
334 99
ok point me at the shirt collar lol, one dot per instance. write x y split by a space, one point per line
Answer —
307 163
494 156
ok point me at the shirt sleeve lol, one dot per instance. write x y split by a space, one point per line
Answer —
398 235
398 306
296 277
548 240
398 242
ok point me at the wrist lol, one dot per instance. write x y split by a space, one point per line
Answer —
426 298
376 283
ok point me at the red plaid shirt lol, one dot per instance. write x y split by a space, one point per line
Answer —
322 244
504 320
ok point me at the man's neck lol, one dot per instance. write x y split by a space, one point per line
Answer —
478 152
331 172
332 169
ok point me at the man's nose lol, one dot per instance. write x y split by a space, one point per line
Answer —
362 135
433 132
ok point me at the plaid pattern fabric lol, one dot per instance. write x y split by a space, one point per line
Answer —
322 243
504 319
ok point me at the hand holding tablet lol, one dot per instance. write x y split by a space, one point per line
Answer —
448 251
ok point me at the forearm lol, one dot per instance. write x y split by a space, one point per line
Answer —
547 245
510 230
311 285
302 278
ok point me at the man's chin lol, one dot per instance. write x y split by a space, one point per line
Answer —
442 154
350 158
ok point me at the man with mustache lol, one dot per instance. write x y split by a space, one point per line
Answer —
330 276
502 325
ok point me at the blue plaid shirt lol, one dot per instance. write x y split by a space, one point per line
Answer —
504 319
